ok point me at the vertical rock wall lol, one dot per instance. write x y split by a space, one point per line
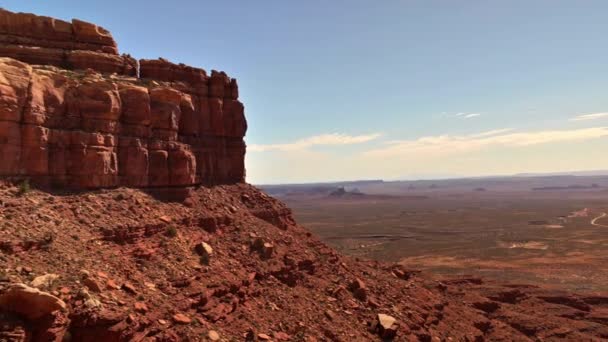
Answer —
73 114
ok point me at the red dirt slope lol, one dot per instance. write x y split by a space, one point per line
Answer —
119 265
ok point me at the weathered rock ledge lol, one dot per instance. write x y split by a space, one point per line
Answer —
73 113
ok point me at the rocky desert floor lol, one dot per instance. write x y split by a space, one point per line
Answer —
557 239
229 263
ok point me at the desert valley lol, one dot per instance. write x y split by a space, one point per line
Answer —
545 230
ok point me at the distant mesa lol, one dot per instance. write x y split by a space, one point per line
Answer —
569 187
342 192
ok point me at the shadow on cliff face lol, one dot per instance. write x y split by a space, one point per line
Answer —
178 194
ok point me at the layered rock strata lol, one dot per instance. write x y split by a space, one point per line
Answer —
49 41
173 126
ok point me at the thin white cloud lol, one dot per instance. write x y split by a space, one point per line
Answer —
490 133
463 115
317 140
585 117
450 144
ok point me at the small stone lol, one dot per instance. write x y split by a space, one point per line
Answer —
373 303
188 202
263 337
359 289
128 287
92 303
205 251
330 315
281 336
203 248
165 219
92 284
112 285
141 307
84 293
213 335
267 250
181 319
44 281
385 326
162 321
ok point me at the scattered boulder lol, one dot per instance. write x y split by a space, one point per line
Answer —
281 336
203 248
44 281
385 326
205 251
181 319
111 284
92 303
265 249
92 284
213 335
30 302
128 287
141 307
359 290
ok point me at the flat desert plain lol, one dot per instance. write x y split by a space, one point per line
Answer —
549 231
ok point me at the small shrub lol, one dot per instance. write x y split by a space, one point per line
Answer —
24 187
48 238
171 232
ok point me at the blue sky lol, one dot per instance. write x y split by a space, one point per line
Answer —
356 89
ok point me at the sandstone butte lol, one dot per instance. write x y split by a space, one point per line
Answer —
110 262
74 113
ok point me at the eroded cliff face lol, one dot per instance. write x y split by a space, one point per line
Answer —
79 116
49 41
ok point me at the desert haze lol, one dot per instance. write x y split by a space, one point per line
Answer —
546 230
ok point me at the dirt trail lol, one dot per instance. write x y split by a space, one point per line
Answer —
594 221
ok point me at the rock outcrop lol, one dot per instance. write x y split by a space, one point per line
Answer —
73 113
49 41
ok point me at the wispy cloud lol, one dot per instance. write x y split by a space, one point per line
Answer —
449 144
585 117
317 140
467 115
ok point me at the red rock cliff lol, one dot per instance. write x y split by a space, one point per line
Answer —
77 116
